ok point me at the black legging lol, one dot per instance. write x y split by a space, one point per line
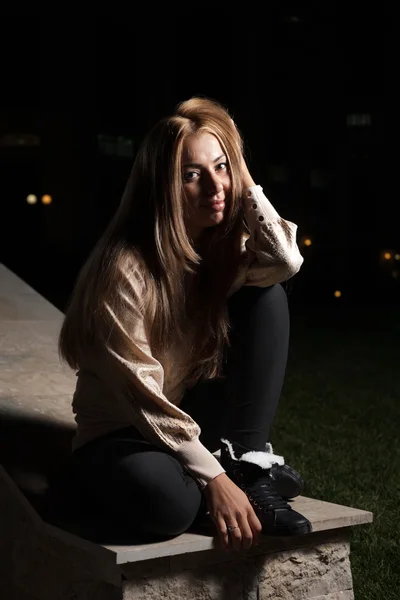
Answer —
143 491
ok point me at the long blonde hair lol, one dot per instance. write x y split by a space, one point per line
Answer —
148 231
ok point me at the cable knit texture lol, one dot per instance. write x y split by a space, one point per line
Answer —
143 390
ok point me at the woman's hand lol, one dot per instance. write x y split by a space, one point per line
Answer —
229 505
247 180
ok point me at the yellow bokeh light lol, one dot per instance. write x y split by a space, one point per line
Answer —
397 257
46 199
307 242
387 255
31 199
337 293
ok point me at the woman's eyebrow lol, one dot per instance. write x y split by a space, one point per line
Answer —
198 165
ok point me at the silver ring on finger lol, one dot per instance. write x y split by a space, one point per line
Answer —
230 528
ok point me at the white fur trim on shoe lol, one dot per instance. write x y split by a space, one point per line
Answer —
265 460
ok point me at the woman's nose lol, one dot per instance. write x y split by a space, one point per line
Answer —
214 185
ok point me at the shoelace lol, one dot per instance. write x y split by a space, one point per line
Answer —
264 495
260 490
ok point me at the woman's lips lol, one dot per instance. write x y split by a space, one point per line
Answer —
215 206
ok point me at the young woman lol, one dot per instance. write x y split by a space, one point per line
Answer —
179 331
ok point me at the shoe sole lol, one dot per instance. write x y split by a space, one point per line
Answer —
284 486
289 531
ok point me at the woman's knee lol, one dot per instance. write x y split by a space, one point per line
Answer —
272 295
262 303
161 499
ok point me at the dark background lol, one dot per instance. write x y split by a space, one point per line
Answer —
306 87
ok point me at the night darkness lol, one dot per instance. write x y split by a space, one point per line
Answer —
306 87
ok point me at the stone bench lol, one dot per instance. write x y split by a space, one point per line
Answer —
41 559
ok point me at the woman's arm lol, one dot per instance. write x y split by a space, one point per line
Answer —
140 377
271 251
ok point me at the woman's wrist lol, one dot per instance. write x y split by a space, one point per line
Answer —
247 180
211 484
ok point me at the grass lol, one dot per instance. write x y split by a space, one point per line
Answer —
338 424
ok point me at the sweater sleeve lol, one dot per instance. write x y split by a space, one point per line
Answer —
271 251
140 378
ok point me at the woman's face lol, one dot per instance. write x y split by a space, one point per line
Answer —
206 183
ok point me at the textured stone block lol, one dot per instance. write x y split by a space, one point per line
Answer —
306 573
216 582
321 572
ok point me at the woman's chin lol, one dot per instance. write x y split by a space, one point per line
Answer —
215 219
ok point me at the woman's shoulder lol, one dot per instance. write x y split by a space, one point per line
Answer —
128 288
130 265
131 269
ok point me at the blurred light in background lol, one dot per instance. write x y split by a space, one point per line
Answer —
307 242
31 199
46 199
387 255
337 293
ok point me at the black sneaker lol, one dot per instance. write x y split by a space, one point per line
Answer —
286 482
276 515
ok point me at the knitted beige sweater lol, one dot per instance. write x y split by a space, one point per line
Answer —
145 391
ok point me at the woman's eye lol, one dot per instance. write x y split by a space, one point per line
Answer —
221 166
190 175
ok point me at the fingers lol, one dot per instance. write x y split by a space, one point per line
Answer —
245 532
256 527
222 532
230 507
235 538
